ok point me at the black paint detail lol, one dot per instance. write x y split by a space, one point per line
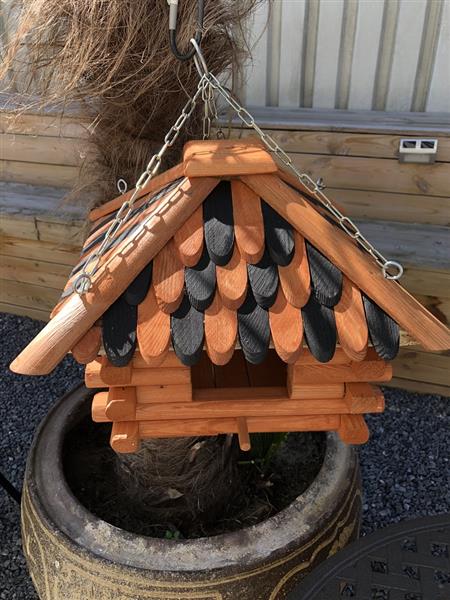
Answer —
263 278
383 330
326 278
187 329
219 224
279 236
201 282
137 290
320 330
254 330
119 332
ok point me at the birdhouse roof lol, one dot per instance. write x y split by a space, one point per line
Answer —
227 249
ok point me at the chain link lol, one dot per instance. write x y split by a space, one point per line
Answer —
84 280
391 269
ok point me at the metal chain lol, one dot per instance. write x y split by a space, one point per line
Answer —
84 280
391 269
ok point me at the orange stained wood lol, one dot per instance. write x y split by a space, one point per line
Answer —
216 426
153 331
225 158
364 398
189 239
94 376
295 278
232 281
314 390
220 331
154 185
106 373
169 360
121 405
351 322
292 180
87 348
98 407
368 370
339 358
243 435
176 392
168 278
353 429
125 436
248 222
357 265
286 326
116 272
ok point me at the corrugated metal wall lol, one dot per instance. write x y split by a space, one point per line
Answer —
389 55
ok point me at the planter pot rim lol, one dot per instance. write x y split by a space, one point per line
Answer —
53 500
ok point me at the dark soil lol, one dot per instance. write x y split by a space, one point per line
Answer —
90 469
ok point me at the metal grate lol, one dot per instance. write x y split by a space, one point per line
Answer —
409 561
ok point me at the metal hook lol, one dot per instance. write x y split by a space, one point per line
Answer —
199 59
173 4
122 186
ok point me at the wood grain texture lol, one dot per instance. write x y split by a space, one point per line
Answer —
368 370
308 391
220 331
295 278
189 239
243 436
80 313
286 326
353 429
97 376
232 281
358 266
98 407
351 322
168 278
100 373
225 158
121 405
168 360
153 331
248 222
125 437
152 394
86 349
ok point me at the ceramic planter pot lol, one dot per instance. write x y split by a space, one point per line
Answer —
73 555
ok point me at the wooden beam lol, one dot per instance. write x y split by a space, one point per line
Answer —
353 429
244 438
365 371
125 437
121 405
98 375
80 312
357 265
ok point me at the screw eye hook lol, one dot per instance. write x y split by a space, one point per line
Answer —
173 13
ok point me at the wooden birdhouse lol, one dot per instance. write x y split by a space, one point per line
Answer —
230 301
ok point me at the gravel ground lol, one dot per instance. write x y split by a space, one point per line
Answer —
405 465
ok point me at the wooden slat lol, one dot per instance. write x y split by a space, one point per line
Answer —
95 376
362 270
313 390
244 438
168 278
56 232
24 270
42 150
220 331
420 387
153 331
152 394
169 360
364 398
39 174
189 239
368 370
336 143
353 429
199 427
351 323
48 252
385 175
37 297
121 404
286 326
125 437
86 349
232 281
43 125
248 222
423 366
24 311
216 158
389 206
295 278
